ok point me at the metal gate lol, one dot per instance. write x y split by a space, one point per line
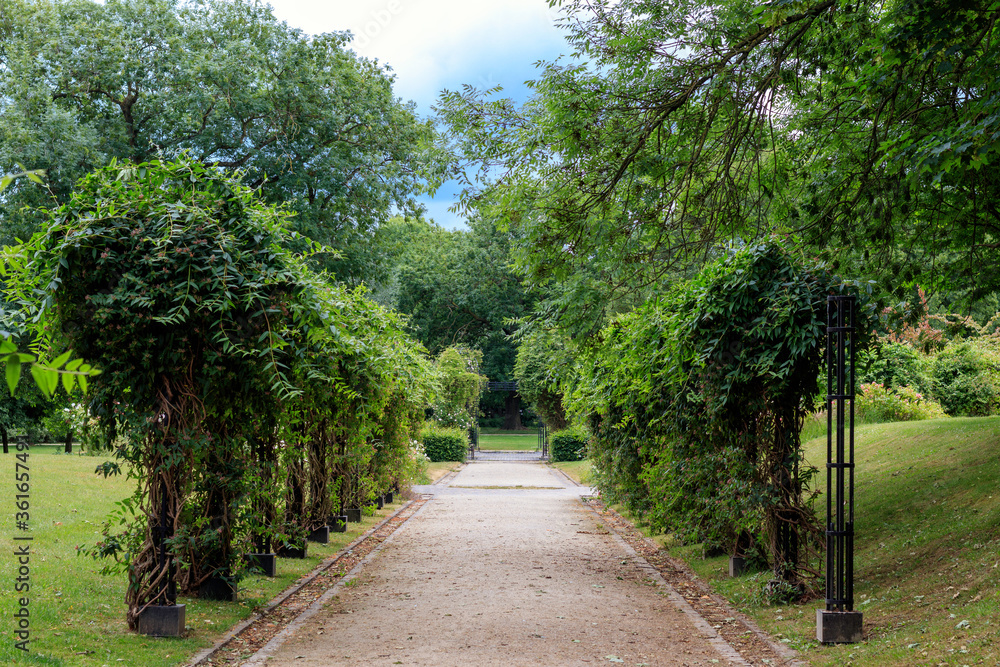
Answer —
540 453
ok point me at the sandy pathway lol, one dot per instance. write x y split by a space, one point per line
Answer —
491 574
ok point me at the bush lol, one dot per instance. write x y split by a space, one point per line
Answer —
569 444
444 444
877 404
962 383
894 365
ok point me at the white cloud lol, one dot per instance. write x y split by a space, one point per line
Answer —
434 44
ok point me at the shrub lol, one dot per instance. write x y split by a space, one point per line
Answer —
569 444
893 365
444 444
876 404
962 383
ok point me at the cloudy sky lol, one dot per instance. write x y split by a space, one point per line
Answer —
432 45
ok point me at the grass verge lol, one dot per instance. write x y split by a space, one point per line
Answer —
77 615
927 553
578 471
436 471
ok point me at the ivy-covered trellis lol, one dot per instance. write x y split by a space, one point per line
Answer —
697 400
228 368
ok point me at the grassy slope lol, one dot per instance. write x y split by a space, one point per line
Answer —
927 550
77 614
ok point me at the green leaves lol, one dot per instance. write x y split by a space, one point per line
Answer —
47 375
696 397
35 176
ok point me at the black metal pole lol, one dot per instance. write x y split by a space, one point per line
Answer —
840 623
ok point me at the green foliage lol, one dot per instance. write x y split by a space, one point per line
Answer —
458 288
893 365
569 444
961 383
170 275
662 141
697 400
457 401
541 358
876 404
444 443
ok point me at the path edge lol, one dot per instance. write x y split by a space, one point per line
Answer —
789 656
324 565
268 649
724 648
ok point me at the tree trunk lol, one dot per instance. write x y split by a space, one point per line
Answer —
512 412
3 433
69 442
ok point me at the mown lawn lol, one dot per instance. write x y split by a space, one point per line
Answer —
927 550
77 614
509 440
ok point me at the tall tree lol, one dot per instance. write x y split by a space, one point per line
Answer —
306 120
458 288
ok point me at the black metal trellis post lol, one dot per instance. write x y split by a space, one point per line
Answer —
839 623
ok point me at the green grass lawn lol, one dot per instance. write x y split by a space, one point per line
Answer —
78 614
509 440
578 471
927 550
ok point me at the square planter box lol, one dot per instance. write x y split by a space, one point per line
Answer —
266 563
218 588
388 498
289 551
737 566
380 502
321 535
839 627
162 620
337 523
353 515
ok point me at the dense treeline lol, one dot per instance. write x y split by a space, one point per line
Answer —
312 125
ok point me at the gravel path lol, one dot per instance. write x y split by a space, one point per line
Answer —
504 566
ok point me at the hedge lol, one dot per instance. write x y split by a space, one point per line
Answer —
569 444
444 444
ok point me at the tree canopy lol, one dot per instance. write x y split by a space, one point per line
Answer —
300 116
865 132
